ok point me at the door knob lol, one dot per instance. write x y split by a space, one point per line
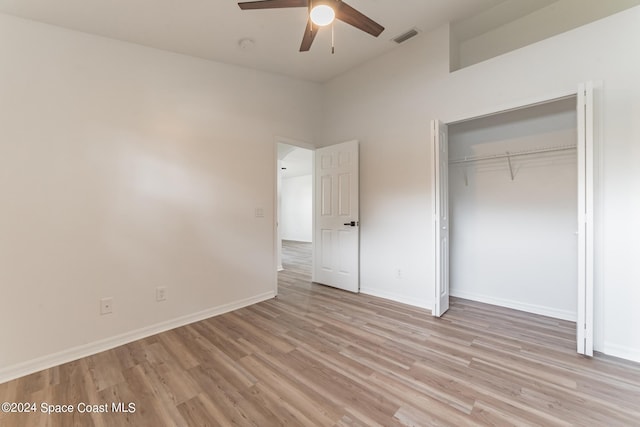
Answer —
351 224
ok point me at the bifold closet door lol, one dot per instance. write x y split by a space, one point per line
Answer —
584 324
440 144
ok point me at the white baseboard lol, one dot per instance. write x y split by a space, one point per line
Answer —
25 368
516 305
627 353
397 298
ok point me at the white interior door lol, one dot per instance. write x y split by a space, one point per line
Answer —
336 237
440 194
585 219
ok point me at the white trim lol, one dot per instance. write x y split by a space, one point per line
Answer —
599 213
516 305
277 241
25 368
622 352
511 106
416 302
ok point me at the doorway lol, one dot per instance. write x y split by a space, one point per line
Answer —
329 178
585 148
512 206
294 208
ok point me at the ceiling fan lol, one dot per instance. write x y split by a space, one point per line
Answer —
321 13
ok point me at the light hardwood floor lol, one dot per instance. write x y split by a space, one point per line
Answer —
320 356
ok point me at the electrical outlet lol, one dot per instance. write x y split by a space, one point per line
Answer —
259 213
398 274
161 293
106 305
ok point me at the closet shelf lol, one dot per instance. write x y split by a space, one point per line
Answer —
508 154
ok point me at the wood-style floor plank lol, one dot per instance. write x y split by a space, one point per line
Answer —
318 356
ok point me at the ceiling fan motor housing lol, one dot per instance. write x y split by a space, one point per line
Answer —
336 9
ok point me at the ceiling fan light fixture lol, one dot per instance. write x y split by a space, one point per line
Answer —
322 15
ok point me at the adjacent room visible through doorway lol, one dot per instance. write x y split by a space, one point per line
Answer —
295 210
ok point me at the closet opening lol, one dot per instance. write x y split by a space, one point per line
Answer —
513 201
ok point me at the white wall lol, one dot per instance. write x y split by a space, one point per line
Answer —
513 242
126 168
297 201
388 102
559 16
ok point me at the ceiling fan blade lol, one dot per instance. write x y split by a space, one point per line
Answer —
309 34
347 14
272 4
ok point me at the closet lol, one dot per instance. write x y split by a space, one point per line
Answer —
513 208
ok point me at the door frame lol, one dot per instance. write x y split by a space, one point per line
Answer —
276 207
588 130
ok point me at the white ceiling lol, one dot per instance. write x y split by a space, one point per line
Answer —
211 29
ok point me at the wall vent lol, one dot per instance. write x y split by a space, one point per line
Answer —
406 36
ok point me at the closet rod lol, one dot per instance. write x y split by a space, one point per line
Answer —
509 155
